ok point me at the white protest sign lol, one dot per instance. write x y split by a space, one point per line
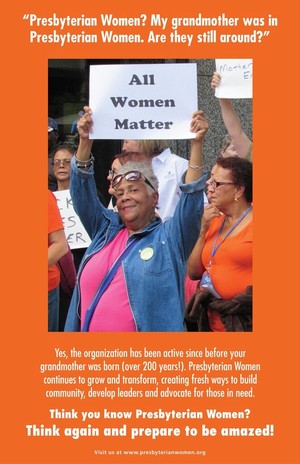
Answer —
76 235
143 101
236 79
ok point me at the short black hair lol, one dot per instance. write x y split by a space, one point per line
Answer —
241 172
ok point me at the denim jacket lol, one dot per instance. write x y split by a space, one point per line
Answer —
155 286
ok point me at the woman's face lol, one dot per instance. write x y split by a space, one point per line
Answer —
132 146
135 204
222 195
62 165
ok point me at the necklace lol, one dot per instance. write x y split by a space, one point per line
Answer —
214 247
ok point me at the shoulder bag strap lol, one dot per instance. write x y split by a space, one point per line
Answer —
103 286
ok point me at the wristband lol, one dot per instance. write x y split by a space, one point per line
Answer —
84 164
195 167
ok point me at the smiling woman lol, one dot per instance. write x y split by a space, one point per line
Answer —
136 190
138 259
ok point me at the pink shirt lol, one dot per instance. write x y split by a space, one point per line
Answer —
113 312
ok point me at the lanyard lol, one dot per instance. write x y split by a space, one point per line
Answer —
214 247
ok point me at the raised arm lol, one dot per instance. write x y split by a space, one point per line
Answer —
82 186
84 127
240 140
199 125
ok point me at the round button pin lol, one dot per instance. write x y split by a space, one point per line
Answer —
147 253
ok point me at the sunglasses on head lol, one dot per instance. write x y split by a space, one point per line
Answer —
132 175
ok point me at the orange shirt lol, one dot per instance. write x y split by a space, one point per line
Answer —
231 268
54 223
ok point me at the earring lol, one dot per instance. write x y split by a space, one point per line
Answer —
236 199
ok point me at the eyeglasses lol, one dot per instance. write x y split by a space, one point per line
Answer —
215 184
58 162
132 175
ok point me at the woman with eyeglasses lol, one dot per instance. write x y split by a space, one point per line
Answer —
222 255
132 275
117 162
61 162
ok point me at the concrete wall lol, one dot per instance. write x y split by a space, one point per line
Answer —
210 105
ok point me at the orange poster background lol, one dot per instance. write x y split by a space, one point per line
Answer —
274 342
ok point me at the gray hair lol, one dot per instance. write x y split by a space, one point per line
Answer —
145 168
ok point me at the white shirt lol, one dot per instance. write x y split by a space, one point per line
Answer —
169 169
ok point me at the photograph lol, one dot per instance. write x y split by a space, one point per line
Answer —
175 202
153 244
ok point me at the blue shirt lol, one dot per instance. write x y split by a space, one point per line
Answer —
155 286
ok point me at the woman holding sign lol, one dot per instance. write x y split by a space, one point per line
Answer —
132 276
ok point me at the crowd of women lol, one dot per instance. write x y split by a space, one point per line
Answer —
169 223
